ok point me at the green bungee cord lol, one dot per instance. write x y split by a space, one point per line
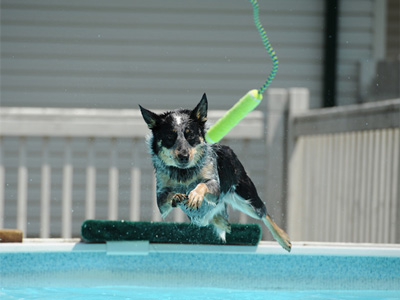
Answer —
252 99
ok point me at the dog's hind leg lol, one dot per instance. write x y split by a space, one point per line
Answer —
279 235
256 209
239 191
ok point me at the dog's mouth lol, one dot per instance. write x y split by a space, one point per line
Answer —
183 165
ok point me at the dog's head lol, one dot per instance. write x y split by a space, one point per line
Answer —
178 136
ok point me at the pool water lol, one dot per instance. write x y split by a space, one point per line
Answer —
154 293
158 271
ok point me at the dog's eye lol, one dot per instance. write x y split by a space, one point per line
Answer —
169 140
191 137
171 137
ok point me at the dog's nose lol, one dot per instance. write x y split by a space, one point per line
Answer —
183 157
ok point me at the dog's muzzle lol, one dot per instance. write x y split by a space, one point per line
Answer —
183 157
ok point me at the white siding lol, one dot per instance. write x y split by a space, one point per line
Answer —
164 54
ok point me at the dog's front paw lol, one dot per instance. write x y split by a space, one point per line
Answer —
196 196
177 198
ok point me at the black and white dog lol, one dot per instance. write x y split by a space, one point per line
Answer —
199 177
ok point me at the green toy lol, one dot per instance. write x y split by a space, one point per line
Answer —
249 101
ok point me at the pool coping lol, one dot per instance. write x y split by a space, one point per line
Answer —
144 248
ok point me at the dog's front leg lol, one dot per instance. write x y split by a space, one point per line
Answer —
210 189
167 200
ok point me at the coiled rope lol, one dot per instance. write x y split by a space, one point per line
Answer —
267 46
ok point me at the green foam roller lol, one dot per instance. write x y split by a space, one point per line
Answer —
245 105
165 232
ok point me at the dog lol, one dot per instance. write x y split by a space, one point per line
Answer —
201 178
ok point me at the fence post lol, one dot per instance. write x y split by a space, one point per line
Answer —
298 103
276 120
45 191
134 212
67 185
22 187
90 203
113 182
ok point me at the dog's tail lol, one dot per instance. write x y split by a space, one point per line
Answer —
279 235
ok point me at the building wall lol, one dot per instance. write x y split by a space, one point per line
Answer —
165 54
162 54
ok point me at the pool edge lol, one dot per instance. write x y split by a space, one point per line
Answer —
141 247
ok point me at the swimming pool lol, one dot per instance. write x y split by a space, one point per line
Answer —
139 270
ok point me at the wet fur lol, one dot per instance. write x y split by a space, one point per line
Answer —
201 178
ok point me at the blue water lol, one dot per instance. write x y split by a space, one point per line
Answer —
217 270
196 275
156 293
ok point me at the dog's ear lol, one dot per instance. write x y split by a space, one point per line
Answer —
149 117
200 112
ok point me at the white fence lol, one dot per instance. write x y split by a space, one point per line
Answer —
326 175
344 169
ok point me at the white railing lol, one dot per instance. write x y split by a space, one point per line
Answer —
344 173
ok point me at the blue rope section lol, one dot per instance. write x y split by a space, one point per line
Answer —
267 46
